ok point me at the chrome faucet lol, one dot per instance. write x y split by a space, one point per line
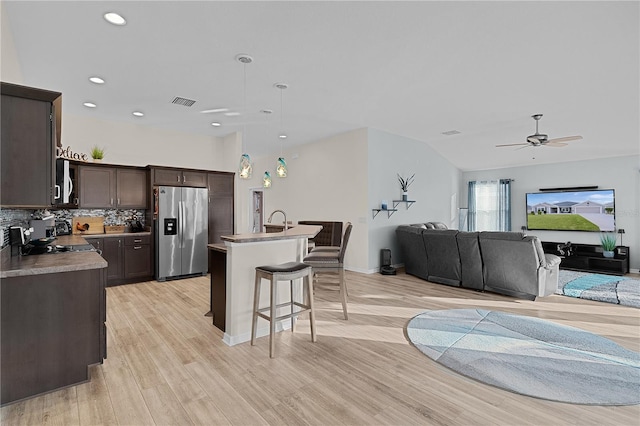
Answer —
286 226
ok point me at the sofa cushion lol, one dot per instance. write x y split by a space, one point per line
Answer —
470 260
443 259
412 250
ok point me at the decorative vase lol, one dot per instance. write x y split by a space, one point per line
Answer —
607 253
405 196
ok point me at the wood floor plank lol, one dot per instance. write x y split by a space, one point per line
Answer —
94 403
167 363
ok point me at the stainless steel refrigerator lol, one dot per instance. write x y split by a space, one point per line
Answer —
181 232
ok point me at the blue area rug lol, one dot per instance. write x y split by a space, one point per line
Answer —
599 287
529 356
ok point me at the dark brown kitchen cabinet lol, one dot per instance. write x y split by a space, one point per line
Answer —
28 136
97 187
178 177
220 205
112 252
131 192
113 187
52 329
129 257
137 257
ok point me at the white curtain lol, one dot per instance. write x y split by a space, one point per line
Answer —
490 205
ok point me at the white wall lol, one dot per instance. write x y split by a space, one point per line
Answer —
10 71
138 145
327 181
436 182
620 173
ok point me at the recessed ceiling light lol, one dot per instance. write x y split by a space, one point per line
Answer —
214 110
282 136
96 80
138 113
114 18
216 124
89 104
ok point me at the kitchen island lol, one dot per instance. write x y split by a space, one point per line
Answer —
243 253
52 320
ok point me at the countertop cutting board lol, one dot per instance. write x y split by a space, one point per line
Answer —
96 225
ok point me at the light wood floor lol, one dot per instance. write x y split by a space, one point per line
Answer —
167 364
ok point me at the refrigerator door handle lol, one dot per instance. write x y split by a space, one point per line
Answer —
182 222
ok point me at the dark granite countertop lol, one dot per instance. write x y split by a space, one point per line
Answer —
16 266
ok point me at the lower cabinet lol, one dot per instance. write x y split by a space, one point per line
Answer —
52 329
137 257
129 257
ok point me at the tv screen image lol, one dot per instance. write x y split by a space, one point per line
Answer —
589 210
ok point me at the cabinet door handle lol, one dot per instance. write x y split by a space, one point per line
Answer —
111 202
178 178
137 247
137 241
184 179
118 201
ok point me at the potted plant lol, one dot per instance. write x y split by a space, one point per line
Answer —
404 185
97 154
608 242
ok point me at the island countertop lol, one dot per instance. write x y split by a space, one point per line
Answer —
16 266
299 231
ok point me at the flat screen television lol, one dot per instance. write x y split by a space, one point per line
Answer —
584 210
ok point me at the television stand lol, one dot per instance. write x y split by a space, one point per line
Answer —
589 258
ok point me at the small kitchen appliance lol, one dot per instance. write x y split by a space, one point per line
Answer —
43 228
18 238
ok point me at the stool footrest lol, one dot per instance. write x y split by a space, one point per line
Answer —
304 307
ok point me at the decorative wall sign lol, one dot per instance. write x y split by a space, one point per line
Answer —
70 155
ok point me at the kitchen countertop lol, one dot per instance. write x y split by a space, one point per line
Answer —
16 266
218 247
299 231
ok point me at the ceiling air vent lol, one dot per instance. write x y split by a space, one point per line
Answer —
183 101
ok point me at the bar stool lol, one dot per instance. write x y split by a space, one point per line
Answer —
283 272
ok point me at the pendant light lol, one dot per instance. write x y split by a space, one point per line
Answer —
281 164
246 168
266 180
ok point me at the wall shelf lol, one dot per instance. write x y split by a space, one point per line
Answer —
390 212
408 203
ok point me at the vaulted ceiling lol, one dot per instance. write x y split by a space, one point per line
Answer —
416 69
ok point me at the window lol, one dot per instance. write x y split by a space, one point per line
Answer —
490 205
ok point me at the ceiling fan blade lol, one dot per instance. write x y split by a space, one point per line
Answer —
512 144
566 139
556 144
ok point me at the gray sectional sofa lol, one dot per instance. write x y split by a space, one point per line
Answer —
510 263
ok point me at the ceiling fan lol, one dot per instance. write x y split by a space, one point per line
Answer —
540 139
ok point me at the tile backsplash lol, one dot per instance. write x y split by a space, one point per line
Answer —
21 217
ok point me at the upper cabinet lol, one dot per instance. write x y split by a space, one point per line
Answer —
29 137
178 177
113 187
